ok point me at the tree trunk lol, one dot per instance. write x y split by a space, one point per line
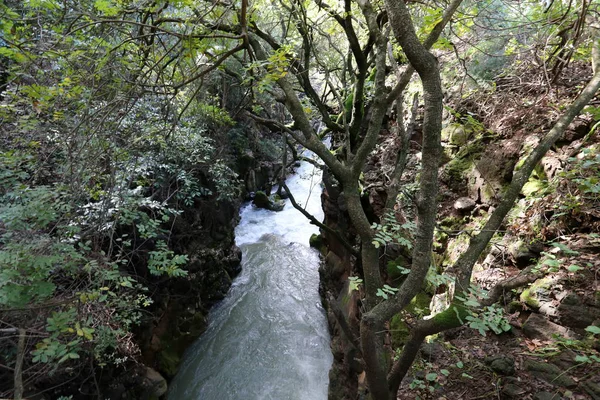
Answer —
18 380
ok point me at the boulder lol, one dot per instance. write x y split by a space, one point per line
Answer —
574 313
431 350
564 360
500 364
577 129
277 205
592 388
456 134
551 164
261 200
549 373
523 254
155 384
493 171
315 241
479 188
538 327
464 204
540 292
512 389
546 396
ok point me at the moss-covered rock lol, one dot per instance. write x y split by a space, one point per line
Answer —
500 364
481 187
261 200
456 247
538 292
457 134
273 203
549 373
456 171
176 339
534 186
168 362
538 327
592 388
315 241
155 384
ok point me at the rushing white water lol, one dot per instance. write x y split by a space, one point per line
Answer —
268 339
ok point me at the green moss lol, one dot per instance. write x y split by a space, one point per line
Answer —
537 183
456 247
399 330
452 317
457 134
464 160
261 200
315 241
528 298
178 337
515 306
532 294
168 362
458 167
419 305
394 269
453 223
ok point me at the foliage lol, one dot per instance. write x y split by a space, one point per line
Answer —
385 291
392 232
483 319
99 155
119 116
354 282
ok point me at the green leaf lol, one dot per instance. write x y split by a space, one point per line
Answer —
565 249
594 330
551 262
63 358
582 359
106 7
574 268
432 376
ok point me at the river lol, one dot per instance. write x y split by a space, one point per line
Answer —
268 339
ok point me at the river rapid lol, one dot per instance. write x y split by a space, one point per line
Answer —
268 339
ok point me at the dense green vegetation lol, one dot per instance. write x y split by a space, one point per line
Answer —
120 118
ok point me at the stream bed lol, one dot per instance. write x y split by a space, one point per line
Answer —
268 339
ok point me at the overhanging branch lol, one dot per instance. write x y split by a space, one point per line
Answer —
322 226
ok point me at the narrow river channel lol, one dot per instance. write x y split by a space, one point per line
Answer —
268 339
